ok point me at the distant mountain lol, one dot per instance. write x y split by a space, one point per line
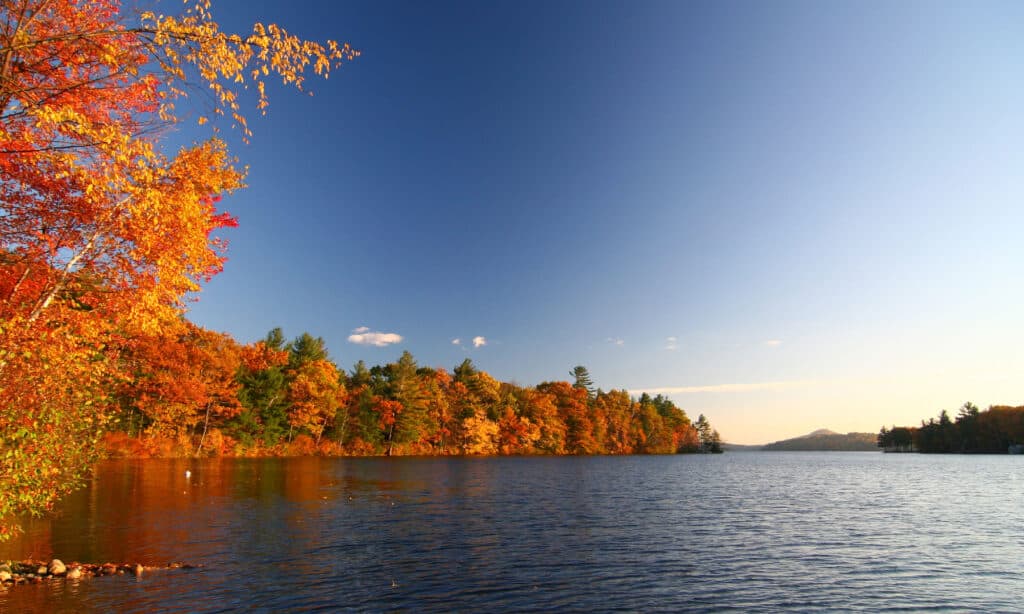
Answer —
826 440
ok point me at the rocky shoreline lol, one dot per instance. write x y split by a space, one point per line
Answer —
13 573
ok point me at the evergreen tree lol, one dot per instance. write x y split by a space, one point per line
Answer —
360 375
715 443
582 380
306 348
263 395
405 387
464 372
705 433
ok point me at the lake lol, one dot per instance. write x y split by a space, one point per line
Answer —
739 531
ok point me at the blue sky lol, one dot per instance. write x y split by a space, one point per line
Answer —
785 215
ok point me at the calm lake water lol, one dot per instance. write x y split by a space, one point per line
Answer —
739 531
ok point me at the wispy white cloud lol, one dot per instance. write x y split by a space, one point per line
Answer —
749 387
456 341
363 336
670 344
773 342
479 342
615 341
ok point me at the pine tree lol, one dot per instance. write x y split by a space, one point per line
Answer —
582 380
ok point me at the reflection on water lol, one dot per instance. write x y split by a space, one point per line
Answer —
741 531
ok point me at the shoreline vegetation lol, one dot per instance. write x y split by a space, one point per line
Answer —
996 430
198 393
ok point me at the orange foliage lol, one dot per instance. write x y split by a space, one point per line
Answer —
104 233
259 357
315 396
516 434
182 380
572 409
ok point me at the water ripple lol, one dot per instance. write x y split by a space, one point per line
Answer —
739 532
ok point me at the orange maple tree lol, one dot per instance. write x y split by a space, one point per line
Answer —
180 381
104 233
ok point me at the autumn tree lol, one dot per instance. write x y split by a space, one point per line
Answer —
103 233
388 412
182 382
313 384
540 409
617 412
475 395
314 396
655 438
516 434
437 386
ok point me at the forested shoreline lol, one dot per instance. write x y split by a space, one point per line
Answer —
196 392
996 430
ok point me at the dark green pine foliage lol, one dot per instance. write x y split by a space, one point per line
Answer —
710 440
581 379
404 387
263 397
305 349
464 372
364 422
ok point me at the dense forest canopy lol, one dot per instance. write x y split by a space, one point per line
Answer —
193 391
992 431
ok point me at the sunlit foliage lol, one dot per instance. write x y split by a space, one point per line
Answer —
398 408
104 234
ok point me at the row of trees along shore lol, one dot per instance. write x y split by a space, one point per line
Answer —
197 392
995 430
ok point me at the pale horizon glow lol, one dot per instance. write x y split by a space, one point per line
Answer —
670 390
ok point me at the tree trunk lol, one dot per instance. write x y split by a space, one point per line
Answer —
206 425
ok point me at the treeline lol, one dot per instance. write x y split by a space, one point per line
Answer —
197 392
993 431
832 442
